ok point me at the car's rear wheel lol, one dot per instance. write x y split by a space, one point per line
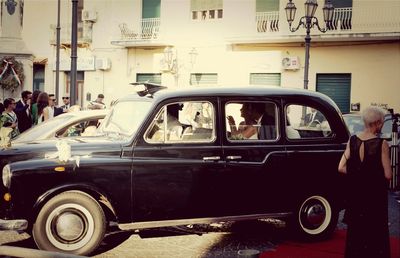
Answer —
315 218
71 222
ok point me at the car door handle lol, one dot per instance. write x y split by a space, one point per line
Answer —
212 158
233 157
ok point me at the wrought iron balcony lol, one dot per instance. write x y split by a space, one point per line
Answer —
149 30
267 21
362 17
147 35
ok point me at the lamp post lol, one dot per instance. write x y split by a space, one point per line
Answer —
308 22
58 28
74 49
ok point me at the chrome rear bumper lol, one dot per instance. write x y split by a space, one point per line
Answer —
17 224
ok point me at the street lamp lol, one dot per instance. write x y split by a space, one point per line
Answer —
308 22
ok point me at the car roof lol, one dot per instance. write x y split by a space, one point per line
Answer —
249 90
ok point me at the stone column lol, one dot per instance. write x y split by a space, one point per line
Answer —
11 43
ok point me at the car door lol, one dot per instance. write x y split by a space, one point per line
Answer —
252 163
175 161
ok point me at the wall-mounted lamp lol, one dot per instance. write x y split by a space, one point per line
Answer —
193 56
170 60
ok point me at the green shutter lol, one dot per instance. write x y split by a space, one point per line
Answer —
342 3
202 5
151 8
149 77
203 79
337 87
272 79
267 5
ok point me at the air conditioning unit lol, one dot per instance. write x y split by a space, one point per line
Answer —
103 64
291 63
89 15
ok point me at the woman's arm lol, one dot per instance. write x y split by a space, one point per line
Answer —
249 131
386 160
45 114
343 160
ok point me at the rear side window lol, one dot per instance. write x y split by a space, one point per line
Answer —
251 121
183 122
306 122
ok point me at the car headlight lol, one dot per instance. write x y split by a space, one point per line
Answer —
6 176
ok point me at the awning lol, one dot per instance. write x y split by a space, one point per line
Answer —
40 60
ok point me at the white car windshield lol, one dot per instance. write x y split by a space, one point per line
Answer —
125 118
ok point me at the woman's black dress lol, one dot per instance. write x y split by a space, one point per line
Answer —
367 210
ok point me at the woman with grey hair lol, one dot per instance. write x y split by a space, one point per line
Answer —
366 163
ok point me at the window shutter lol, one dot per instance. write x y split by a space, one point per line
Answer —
273 79
197 79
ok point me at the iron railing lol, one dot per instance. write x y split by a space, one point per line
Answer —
150 29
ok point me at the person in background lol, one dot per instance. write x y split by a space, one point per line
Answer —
1 108
98 103
246 128
66 105
366 163
23 111
313 118
8 118
34 107
42 104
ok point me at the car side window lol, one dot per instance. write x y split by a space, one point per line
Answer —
246 121
306 122
183 122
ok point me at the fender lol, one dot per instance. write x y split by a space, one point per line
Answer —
90 190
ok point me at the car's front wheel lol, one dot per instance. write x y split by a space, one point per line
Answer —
71 222
315 218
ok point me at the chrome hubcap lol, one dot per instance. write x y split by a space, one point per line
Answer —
69 226
315 215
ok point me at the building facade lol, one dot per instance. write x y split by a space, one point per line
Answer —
185 43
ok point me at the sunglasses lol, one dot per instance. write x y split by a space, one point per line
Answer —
65 98
53 100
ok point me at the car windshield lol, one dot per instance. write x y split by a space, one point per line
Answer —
125 118
39 131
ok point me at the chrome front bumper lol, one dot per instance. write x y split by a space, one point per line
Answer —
17 224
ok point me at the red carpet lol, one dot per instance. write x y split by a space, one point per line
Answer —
332 248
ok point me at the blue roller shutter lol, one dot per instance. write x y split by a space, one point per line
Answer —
337 87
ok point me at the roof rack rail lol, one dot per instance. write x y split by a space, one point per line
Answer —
149 88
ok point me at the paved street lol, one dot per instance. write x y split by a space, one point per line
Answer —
219 240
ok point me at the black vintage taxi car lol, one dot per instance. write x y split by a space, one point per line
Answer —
166 158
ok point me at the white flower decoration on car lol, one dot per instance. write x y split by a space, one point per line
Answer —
63 153
5 139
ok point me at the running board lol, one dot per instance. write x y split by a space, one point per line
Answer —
181 222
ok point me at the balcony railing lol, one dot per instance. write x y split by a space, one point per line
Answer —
362 17
84 33
149 30
267 21
341 19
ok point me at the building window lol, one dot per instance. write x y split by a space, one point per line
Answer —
38 77
149 77
272 79
206 9
198 79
